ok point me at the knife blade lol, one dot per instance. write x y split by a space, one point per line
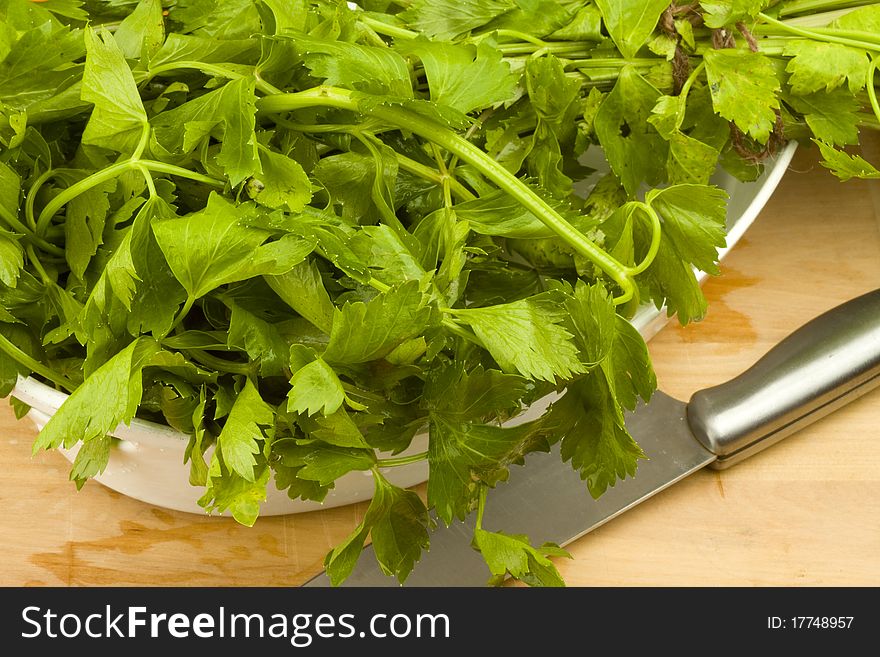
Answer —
823 365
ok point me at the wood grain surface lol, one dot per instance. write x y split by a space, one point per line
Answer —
804 512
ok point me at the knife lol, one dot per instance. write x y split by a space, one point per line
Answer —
825 364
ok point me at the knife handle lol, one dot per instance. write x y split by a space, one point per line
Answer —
823 365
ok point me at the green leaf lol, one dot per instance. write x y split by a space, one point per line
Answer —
400 531
832 117
586 25
335 429
512 554
555 100
590 421
690 160
151 297
667 115
719 13
446 19
240 496
349 178
692 229
226 114
142 32
10 190
178 410
186 47
498 214
11 369
282 183
816 66
91 460
364 332
302 288
374 70
212 247
382 249
325 464
536 17
90 412
846 166
39 61
630 24
84 226
611 342
11 258
398 523
259 338
693 219
463 455
463 77
220 19
744 86
635 151
315 387
118 119
249 427
476 395
198 443
526 337
864 19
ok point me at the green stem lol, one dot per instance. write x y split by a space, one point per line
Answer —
814 6
460 331
858 35
444 176
450 141
180 172
468 135
656 229
401 460
213 69
187 306
220 364
610 62
816 36
263 85
378 193
32 196
76 189
53 206
318 128
686 88
872 92
481 506
432 175
142 142
571 48
22 358
515 34
387 30
148 179
35 261
376 284
29 235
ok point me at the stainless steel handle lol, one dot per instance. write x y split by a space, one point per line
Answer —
823 365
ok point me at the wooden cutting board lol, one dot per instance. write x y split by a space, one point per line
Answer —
805 512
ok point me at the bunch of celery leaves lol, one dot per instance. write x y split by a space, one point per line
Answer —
306 232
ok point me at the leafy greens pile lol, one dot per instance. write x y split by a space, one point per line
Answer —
305 232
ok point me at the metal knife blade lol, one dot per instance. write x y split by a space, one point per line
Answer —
555 500
823 365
